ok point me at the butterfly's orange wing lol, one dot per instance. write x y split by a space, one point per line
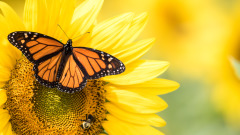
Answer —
86 63
46 71
35 46
45 52
96 63
72 78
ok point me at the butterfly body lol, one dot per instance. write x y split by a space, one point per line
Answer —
62 65
68 47
67 51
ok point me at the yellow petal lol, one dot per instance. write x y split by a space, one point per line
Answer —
122 42
42 16
135 103
3 97
9 23
30 15
136 27
134 118
84 16
134 51
5 29
64 19
114 126
7 130
52 17
4 74
4 118
8 55
6 48
8 52
155 86
138 72
107 33
13 20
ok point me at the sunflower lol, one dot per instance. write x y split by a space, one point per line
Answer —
226 94
202 32
192 31
121 104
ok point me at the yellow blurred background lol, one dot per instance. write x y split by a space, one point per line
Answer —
198 38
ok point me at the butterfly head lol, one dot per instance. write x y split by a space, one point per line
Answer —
68 47
69 42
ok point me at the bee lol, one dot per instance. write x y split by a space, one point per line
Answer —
88 122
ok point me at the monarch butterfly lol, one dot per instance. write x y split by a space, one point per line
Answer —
61 65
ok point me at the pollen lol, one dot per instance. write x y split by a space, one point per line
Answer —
36 109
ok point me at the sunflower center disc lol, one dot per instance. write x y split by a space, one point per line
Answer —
36 109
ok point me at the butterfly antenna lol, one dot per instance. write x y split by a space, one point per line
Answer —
63 31
81 35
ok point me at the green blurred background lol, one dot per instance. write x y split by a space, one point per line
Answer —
197 37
